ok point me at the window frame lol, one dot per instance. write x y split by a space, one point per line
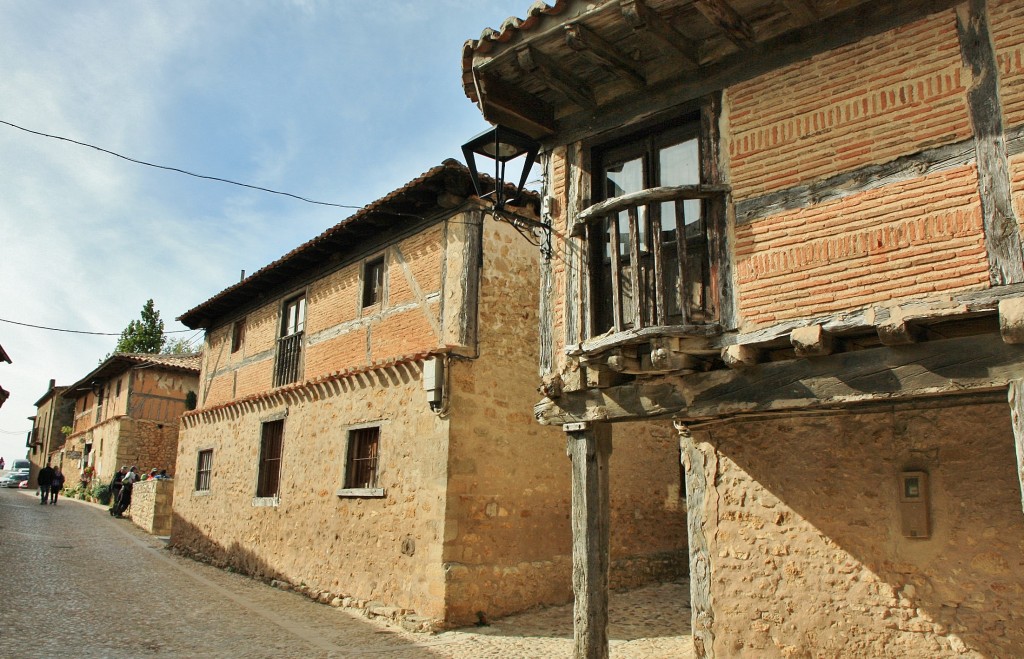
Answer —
351 486
288 361
374 281
237 334
268 463
204 473
654 308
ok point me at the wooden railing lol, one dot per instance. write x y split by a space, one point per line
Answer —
653 282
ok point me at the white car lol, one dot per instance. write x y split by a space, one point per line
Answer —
14 479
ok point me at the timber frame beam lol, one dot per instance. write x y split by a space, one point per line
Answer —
983 362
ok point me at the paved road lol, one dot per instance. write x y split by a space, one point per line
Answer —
76 582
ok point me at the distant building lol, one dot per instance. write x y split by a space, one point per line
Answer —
53 412
365 423
127 411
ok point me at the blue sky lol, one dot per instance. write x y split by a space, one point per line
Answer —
337 101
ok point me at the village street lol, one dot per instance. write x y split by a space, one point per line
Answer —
76 581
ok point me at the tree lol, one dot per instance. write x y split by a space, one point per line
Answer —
177 347
145 335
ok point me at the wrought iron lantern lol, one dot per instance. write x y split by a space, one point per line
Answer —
503 145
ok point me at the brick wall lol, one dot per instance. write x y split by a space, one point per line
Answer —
869 102
904 240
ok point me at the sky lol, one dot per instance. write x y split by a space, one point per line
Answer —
333 100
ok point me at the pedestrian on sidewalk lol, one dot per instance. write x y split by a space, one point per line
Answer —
125 500
56 485
45 478
115 487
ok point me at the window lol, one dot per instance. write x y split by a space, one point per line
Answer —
650 258
361 464
237 335
373 281
118 392
204 469
289 346
269 481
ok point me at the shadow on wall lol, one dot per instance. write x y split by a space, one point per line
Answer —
819 532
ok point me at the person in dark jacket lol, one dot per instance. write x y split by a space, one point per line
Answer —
125 499
56 485
44 479
115 487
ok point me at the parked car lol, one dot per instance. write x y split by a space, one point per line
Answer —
15 479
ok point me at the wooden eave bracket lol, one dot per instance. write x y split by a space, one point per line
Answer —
803 11
646 21
722 15
503 103
584 41
544 67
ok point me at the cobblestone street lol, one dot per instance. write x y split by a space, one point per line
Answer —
77 582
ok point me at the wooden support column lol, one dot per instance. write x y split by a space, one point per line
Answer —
1016 398
589 446
699 510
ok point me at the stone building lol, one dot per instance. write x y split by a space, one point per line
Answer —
53 413
127 412
365 424
790 230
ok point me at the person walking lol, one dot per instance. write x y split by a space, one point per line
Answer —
56 485
115 487
44 479
125 500
2 463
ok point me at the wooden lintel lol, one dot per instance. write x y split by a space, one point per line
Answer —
811 341
551 74
722 15
503 103
951 366
802 11
1011 320
645 20
583 40
697 339
740 356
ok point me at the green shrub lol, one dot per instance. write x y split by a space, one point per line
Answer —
102 494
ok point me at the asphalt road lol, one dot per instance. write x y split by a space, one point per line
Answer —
76 582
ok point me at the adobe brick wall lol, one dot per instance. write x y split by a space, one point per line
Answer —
808 550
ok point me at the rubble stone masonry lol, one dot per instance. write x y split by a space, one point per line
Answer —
809 551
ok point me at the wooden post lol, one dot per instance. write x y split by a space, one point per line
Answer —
1016 398
589 446
698 506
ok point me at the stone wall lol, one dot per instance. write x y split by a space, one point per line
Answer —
345 545
152 503
802 521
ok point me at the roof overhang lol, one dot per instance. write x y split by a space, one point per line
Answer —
568 69
120 362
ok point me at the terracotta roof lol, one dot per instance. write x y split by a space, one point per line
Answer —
510 29
120 362
401 208
394 208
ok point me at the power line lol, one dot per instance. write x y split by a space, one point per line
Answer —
57 329
175 169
